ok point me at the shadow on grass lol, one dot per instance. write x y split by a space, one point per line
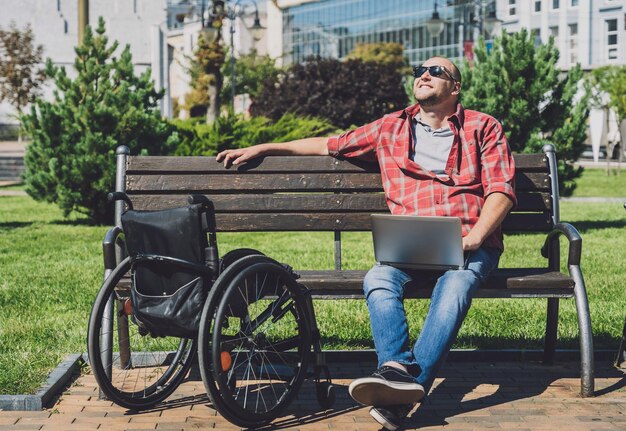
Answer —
585 225
14 225
79 222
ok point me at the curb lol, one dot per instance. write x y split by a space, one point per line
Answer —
58 379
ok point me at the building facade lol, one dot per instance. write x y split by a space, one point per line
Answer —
589 32
162 35
141 24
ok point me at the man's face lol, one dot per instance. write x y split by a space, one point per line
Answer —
432 90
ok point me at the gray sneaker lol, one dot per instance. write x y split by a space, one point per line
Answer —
391 417
387 386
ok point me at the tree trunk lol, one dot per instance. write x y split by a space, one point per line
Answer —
212 111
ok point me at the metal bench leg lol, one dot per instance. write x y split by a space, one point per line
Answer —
586 336
552 323
619 358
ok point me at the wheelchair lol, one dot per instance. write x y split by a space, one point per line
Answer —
251 324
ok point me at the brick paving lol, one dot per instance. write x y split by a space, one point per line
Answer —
468 396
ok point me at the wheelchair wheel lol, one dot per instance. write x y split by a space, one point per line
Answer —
254 341
132 368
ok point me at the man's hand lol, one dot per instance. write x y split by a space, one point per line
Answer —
239 155
496 207
299 147
471 242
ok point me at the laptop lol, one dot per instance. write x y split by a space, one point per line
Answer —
418 242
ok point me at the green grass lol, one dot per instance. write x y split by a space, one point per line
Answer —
596 182
51 269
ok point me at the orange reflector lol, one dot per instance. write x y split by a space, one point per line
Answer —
226 360
128 307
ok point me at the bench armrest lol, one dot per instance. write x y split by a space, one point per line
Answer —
111 237
573 237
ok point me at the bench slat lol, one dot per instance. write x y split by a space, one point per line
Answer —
505 282
146 164
346 221
286 182
309 202
274 164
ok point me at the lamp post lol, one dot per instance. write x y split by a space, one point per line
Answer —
487 23
232 13
435 24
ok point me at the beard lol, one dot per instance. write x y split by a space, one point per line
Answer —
430 100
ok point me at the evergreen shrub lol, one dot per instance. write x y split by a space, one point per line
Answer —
234 131
71 159
518 83
350 93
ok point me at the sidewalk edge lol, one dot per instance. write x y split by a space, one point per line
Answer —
58 379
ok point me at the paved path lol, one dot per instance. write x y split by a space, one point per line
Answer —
469 396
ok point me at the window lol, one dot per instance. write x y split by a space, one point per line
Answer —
573 3
537 34
555 4
537 5
512 8
573 43
611 39
554 32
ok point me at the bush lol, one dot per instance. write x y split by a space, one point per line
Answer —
518 83
71 159
346 94
233 131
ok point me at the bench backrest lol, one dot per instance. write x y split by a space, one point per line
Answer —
308 193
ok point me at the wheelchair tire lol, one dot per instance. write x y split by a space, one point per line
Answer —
254 341
138 371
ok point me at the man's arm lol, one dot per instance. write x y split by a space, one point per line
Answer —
299 147
496 207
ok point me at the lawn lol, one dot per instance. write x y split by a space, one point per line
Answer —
51 269
596 182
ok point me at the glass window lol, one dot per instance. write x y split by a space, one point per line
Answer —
611 39
555 4
512 8
537 5
537 33
573 3
554 32
573 43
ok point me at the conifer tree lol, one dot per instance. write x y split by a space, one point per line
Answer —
518 83
71 159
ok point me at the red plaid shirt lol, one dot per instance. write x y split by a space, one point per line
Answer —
479 164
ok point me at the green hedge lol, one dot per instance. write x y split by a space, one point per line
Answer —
234 131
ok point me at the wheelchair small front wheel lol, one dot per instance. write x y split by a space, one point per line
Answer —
254 341
132 368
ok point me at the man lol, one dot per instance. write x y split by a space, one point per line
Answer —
436 158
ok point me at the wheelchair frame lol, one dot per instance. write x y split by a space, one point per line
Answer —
223 273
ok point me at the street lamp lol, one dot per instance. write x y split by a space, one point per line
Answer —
492 23
232 13
435 24
486 25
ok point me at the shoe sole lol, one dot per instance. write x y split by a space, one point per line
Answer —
382 420
377 392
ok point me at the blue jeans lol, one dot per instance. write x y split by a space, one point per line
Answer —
451 299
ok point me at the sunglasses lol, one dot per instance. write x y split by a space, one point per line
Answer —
436 71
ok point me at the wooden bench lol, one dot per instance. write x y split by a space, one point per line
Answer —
326 194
